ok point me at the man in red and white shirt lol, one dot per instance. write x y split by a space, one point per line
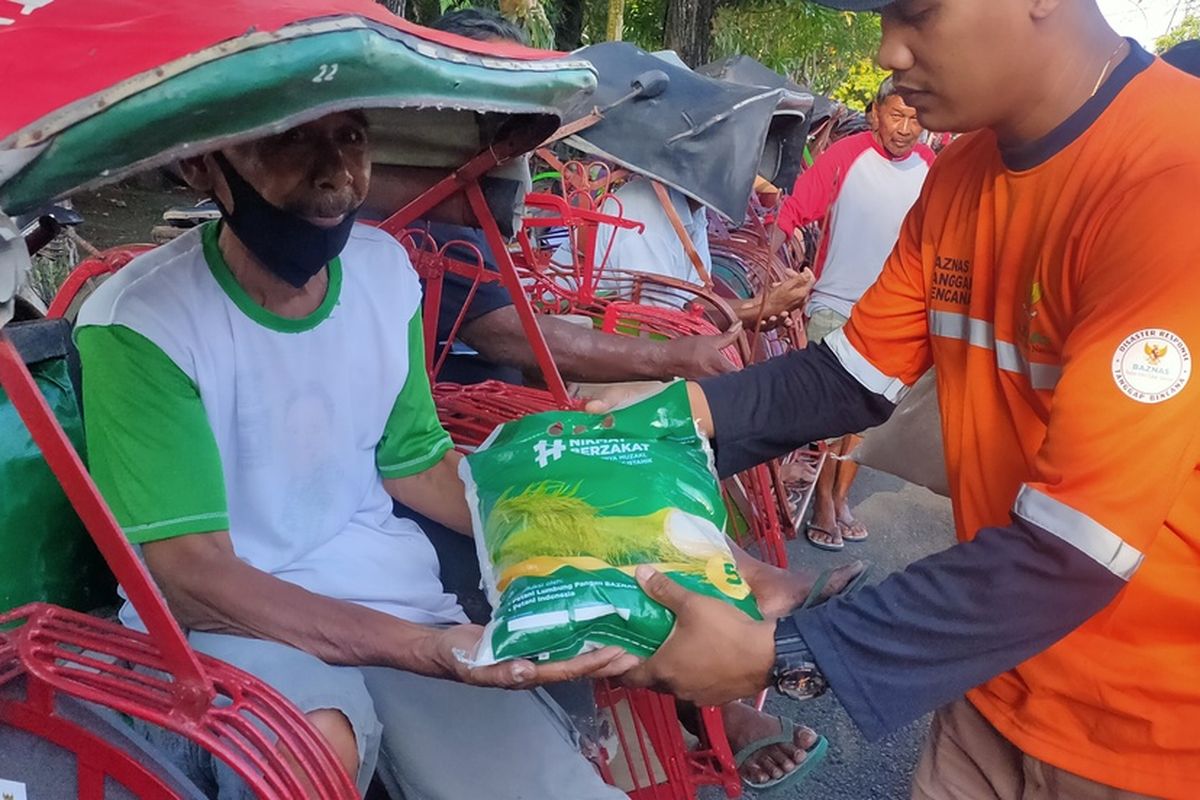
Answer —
862 187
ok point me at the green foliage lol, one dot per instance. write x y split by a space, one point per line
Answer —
534 16
830 51
644 21
862 84
814 45
1188 28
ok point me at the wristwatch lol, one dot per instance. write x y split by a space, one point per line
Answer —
795 673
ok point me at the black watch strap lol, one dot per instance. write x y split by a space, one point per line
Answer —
795 673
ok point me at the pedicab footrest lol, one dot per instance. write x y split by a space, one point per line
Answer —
645 753
234 715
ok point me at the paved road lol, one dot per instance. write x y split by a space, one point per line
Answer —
906 523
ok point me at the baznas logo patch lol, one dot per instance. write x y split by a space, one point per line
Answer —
1152 365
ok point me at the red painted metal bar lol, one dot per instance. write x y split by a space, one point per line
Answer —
106 262
424 258
452 184
193 690
477 272
512 282
88 748
724 771
89 781
50 654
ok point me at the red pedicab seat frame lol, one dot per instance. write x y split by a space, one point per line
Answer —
644 304
105 111
470 413
661 766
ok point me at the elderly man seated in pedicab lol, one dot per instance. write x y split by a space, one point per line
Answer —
256 398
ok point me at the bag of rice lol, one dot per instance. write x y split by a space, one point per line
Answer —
566 505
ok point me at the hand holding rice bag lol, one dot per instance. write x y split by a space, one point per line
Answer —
566 505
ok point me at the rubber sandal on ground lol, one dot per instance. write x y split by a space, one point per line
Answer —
814 594
848 534
833 548
813 756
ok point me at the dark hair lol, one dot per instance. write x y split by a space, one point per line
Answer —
1185 56
479 23
886 89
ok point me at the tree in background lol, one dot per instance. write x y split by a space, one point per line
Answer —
831 51
530 15
1188 28
862 84
812 44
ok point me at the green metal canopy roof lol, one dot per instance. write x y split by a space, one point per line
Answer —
432 99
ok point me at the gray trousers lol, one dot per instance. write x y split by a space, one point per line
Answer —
430 739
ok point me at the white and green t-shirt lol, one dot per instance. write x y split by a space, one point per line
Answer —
206 412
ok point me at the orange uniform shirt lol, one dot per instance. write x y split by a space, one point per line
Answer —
1057 290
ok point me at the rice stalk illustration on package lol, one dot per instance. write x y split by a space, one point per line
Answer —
566 505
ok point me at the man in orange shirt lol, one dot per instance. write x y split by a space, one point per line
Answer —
1051 274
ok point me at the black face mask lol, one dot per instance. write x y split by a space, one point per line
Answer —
291 247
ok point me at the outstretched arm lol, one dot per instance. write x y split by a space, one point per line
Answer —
588 355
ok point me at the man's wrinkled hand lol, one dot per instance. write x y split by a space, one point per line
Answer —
695 357
715 653
789 295
456 648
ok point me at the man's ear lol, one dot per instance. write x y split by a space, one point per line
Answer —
1041 9
196 172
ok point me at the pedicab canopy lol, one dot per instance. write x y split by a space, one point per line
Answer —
658 118
800 111
95 91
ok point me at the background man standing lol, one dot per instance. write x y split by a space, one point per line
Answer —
862 186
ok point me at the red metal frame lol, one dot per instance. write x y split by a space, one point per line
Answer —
581 218
107 262
200 698
470 413
649 304
56 649
656 739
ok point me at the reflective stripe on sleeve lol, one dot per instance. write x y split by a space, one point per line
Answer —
981 333
864 371
1080 531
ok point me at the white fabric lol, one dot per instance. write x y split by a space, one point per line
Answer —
864 225
297 417
657 249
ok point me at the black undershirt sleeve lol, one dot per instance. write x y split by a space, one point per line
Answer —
773 408
924 636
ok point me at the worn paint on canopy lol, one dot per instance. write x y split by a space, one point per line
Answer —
95 90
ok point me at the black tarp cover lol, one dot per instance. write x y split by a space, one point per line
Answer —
783 155
701 136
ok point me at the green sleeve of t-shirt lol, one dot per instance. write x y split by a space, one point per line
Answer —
413 439
151 449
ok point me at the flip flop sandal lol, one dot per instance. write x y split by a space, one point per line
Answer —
833 548
813 756
814 594
853 537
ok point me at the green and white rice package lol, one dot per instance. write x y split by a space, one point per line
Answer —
566 505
